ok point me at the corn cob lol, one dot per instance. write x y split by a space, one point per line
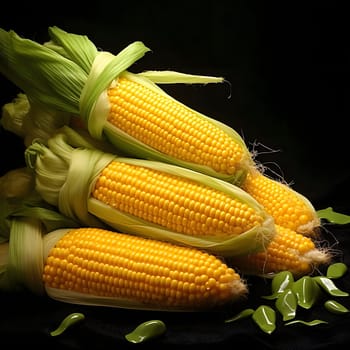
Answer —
129 109
288 251
99 267
150 198
288 207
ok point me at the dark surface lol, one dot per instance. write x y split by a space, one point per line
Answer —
288 68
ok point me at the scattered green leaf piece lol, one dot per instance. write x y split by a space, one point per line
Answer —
307 291
335 307
336 270
287 304
306 323
328 285
265 317
146 330
243 314
333 217
68 322
280 282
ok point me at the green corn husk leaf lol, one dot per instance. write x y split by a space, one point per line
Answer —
74 77
333 216
38 71
18 198
61 181
31 121
21 259
14 113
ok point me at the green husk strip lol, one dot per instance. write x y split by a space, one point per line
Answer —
16 183
14 113
171 77
72 194
101 76
18 198
333 216
31 121
77 48
25 259
71 297
43 74
5 284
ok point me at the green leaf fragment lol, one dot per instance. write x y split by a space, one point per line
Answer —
306 323
280 282
335 307
146 330
336 270
67 322
243 314
287 304
333 217
265 317
329 286
307 291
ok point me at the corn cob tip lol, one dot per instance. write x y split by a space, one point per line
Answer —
288 251
289 208
312 228
318 256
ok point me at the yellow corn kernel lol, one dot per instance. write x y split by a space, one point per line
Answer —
172 128
289 208
287 251
174 202
139 272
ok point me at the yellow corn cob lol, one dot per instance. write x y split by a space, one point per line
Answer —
177 203
172 128
288 251
288 207
150 198
101 267
138 272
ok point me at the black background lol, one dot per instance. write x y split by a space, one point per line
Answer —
288 69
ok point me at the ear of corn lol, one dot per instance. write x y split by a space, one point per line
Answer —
288 251
129 109
105 268
288 207
146 122
149 198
